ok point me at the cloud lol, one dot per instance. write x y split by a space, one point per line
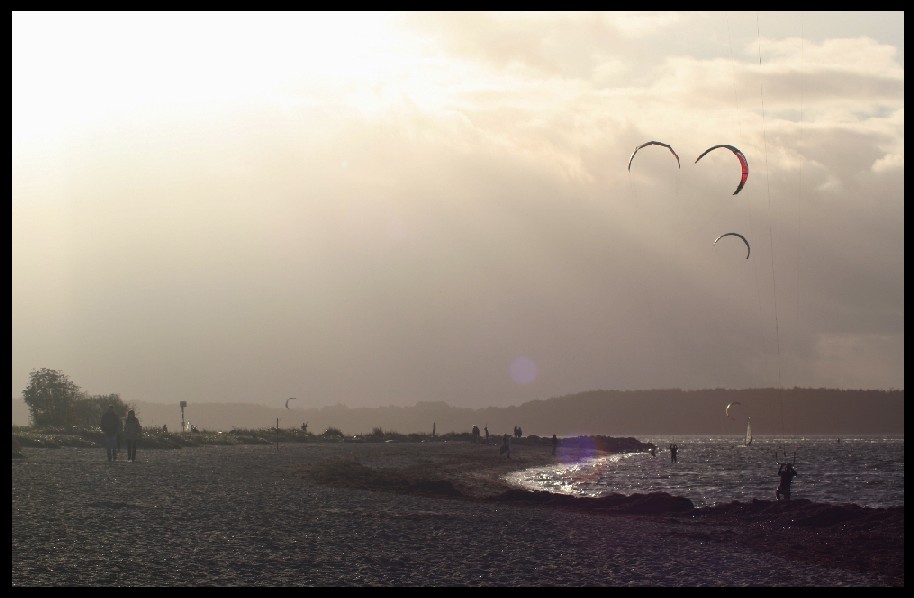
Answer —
400 211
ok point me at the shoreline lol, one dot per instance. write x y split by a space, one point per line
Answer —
410 514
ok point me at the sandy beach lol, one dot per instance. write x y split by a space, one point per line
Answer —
407 514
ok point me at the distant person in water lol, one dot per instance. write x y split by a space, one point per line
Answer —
674 448
786 473
555 443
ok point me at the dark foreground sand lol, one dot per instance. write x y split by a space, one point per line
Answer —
407 514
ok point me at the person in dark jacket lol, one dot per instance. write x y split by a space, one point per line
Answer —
133 431
111 428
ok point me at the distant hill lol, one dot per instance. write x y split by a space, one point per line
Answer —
597 412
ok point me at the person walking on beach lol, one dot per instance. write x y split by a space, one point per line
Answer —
486 429
674 448
111 428
133 431
786 473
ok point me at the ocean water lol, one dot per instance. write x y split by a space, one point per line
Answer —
863 470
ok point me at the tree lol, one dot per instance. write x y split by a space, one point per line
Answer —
54 400
88 411
51 397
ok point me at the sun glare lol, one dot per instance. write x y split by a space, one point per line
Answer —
77 69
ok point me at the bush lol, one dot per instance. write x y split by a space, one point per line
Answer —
332 432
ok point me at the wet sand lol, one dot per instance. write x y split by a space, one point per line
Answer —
407 514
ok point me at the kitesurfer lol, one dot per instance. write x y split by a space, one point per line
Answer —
786 473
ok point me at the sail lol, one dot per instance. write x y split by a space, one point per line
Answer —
748 431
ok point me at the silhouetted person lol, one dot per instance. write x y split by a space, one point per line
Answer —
475 432
674 448
304 427
133 431
111 428
165 428
786 473
653 451
555 443
486 428
505 446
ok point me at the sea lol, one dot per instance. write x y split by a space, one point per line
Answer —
864 470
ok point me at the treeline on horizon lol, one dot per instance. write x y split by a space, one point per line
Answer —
616 413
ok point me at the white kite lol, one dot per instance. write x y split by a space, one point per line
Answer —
748 249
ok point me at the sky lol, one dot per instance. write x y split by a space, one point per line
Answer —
376 209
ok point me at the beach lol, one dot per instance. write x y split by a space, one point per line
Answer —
408 514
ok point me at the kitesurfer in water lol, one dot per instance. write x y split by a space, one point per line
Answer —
786 473
674 448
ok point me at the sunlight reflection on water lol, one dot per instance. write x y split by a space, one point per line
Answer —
867 471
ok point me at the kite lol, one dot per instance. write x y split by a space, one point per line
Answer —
287 401
652 143
727 409
742 161
748 250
